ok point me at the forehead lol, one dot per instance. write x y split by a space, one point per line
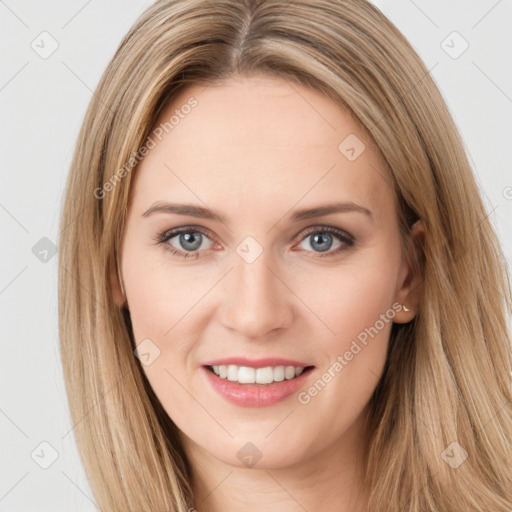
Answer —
251 142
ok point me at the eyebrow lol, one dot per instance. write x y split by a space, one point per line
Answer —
193 210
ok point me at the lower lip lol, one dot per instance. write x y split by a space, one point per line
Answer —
256 395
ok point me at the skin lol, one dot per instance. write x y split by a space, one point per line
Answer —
255 150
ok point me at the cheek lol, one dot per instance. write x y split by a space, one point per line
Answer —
159 293
355 306
162 305
352 297
359 303
165 308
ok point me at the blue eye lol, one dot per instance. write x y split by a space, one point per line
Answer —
322 239
190 240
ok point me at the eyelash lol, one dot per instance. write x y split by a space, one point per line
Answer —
163 238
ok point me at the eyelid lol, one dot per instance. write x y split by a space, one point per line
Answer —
326 229
171 233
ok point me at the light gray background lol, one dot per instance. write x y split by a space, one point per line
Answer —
42 102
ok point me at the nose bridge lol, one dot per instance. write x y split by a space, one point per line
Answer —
256 301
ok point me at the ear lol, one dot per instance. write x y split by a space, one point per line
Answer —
411 275
115 285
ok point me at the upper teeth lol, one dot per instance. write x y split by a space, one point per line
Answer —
248 375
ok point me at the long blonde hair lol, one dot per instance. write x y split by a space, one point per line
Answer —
448 374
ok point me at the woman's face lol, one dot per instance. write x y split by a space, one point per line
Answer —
289 255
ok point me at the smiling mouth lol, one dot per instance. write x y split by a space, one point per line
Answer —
263 376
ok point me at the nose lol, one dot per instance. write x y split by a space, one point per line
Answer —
256 300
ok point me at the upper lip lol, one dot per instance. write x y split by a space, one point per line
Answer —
257 363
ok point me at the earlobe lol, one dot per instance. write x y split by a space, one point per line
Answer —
408 294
